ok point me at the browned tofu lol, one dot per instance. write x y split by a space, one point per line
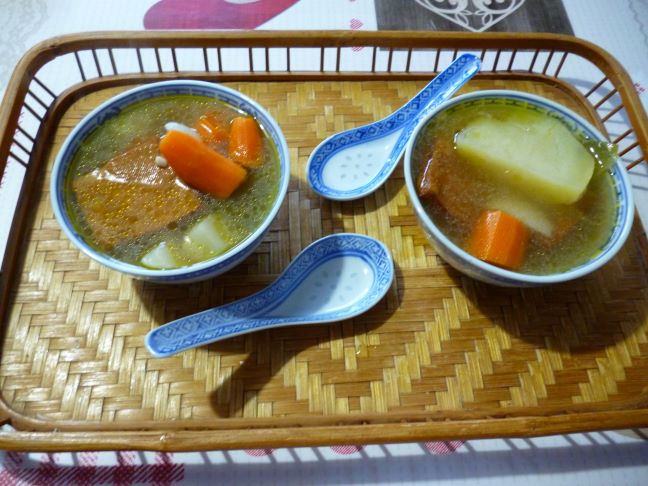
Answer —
130 196
440 182
428 183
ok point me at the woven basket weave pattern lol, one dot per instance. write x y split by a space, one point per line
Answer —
438 341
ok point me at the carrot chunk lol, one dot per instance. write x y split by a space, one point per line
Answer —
245 141
500 239
211 129
200 166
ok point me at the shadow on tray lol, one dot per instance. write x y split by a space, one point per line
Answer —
263 361
249 367
581 317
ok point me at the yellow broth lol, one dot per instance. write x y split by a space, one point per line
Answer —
589 221
240 215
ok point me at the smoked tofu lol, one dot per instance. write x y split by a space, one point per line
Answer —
131 187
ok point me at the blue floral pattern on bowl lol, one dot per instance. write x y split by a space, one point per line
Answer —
113 107
468 264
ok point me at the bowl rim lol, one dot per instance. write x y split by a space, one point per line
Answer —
625 219
196 269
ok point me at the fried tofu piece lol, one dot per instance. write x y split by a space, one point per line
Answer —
440 182
130 196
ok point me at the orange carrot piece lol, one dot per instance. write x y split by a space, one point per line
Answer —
245 141
211 129
500 239
200 166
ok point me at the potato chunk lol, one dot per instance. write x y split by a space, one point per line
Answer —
534 152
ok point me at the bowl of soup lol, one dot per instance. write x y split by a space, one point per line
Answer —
174 181
516 190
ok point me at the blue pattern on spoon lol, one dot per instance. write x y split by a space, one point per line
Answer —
354 163
334 278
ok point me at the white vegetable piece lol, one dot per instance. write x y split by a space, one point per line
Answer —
161 162
534 215
179 127
160 257
534 152
205 240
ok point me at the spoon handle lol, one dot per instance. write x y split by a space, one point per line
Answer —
297 296
438 90
212 325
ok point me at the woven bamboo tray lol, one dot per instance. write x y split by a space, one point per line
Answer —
440 357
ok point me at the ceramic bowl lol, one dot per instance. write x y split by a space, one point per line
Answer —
113 106
480 270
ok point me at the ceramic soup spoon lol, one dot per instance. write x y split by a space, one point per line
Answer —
354 163
334 278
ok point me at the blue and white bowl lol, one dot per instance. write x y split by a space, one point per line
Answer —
480 270
112 107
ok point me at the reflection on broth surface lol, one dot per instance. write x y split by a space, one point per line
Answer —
134 208
485 168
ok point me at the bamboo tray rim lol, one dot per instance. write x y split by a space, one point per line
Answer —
235 433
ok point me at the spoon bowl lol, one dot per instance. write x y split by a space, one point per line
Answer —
351 164
335 278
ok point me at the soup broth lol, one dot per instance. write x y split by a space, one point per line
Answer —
560 236
134 134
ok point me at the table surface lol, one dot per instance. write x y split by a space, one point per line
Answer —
611 457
